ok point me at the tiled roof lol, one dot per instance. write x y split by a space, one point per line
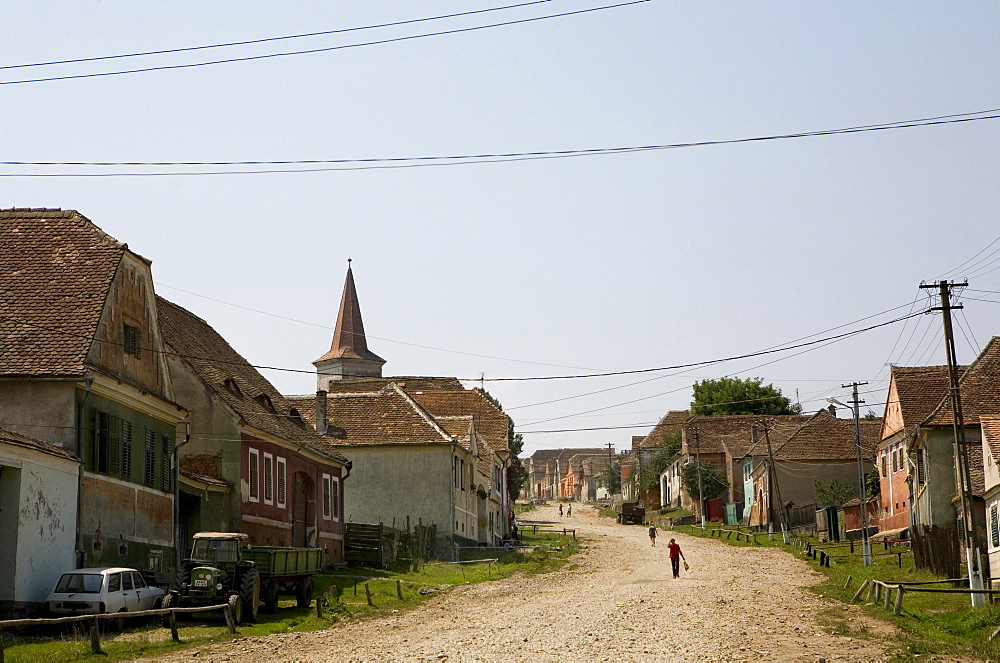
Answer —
56 268
233 379
980 389
991 435
670 424
825 437
490 421
18 440
717 434
385 417
349 336
920 390
408 382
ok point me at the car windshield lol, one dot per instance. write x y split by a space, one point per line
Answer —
80 582
216 550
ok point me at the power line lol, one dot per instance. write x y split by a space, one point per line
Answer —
308 51
388 163
270 39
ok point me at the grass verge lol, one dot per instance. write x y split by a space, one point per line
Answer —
344 593
929 624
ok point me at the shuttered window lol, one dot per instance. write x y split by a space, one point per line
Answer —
921 471
126 443
280 481
253 475
149 459
168 470
335 497
326 497
994 526
268 479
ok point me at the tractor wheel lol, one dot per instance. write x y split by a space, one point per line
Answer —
169 601
304 592
250 593
269 593
236 607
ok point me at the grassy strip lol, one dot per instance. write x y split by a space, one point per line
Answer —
929 624
144 640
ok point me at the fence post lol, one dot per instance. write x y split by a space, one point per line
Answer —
319 607
368 595
888 597
336 592
852 546
857 594
399 589
172 621
899 558
230 618
898 608
872 591
848 583
95 637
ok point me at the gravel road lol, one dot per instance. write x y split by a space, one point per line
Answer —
617 601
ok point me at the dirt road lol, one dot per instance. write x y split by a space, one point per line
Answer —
616 602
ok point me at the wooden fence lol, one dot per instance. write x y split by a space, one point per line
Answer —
379 546
95 630
881 591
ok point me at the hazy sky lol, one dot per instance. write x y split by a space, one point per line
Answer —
538 267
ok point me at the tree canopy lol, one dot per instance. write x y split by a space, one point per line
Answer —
713 482
651 469
834 493
738 396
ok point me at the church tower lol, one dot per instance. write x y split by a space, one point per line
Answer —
349 356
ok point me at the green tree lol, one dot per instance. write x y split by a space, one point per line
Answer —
713 482
516 474
612 475
834 493
652 468
737 396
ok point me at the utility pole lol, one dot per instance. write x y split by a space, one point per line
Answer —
773 481
611 451
697 462
961 450
866 546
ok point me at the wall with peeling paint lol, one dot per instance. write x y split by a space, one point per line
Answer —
38 494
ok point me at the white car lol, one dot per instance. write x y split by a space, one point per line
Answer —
99 590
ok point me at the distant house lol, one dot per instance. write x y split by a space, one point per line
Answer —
991 493
83 368
824 448
38 498
914 392
935 512
643 451
251 463
547 471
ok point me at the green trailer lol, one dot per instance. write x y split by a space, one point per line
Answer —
223 568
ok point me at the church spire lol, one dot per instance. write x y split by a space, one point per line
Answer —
349 355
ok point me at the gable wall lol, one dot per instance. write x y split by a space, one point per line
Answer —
43 410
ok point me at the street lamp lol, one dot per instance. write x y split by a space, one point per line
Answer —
866 548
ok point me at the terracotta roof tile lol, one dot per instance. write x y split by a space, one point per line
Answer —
980 389
233 379
56 268
669 424
825 437
18 440
991 435
490 421
920 390
407 382
718 434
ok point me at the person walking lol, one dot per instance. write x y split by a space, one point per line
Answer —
675 557
569 511
652 535
560 509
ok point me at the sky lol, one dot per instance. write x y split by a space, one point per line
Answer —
535 268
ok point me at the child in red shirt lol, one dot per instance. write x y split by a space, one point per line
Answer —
675 557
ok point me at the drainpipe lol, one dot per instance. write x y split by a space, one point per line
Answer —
89 383
176 471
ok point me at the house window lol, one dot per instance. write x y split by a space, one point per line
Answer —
994 526
893 460
268 479
280 481
126 444
921 472
326 497
253 475
149 459
168 456
335 497
132 341
885 464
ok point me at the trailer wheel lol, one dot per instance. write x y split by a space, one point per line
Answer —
250 593
304 592
269 592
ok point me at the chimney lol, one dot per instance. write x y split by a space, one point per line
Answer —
321 422
832 409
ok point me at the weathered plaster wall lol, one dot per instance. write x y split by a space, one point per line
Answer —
41 410
122 523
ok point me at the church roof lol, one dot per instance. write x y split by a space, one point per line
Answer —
349 336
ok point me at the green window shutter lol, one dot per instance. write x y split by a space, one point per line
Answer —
995 526
126 442
168 457
114 444
149 465
101 442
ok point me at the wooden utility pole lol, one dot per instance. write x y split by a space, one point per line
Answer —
697 462
866 547
961 450
773 482
611 451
